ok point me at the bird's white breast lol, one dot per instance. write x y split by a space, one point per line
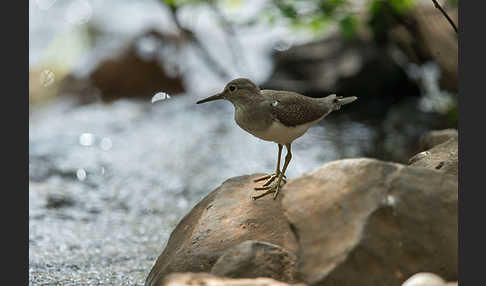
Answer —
279 133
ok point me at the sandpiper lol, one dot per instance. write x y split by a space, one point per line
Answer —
277 116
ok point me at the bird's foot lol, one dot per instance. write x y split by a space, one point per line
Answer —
273 188
270 178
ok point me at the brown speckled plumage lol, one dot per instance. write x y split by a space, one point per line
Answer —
293 109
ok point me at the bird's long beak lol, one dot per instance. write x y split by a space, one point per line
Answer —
346 100
211 98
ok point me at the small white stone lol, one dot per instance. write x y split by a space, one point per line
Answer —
424 279
419 156
160 96
390 200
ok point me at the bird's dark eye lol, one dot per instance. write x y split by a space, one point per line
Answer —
232 88
336 100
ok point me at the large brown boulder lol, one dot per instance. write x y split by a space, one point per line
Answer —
442 156
132 74
192 279
368 222
253 259
223 219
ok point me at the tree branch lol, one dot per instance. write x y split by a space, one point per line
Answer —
445 15
206 55
230 38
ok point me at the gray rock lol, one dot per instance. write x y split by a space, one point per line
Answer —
444 153
368 222
436 137
253 259
223 219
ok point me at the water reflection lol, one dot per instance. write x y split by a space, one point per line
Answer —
86 139
106 144
81 174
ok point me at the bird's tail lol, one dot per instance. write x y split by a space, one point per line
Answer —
346 100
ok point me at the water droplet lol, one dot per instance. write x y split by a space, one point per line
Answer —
160 96
282 45
81 174
47 78
86 139
79 12
44 4
106 144
390 200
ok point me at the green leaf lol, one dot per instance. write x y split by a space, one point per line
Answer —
317 23
375 7
287 10
348 26
401 6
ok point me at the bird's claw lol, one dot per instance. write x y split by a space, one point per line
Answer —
270 178
274 188
270 189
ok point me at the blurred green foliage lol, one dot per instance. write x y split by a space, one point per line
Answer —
397 6
316 15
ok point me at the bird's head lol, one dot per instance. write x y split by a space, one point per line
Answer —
237 91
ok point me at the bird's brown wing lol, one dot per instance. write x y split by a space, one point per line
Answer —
293 109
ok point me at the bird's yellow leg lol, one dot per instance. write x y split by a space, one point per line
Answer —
275 188
271 177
